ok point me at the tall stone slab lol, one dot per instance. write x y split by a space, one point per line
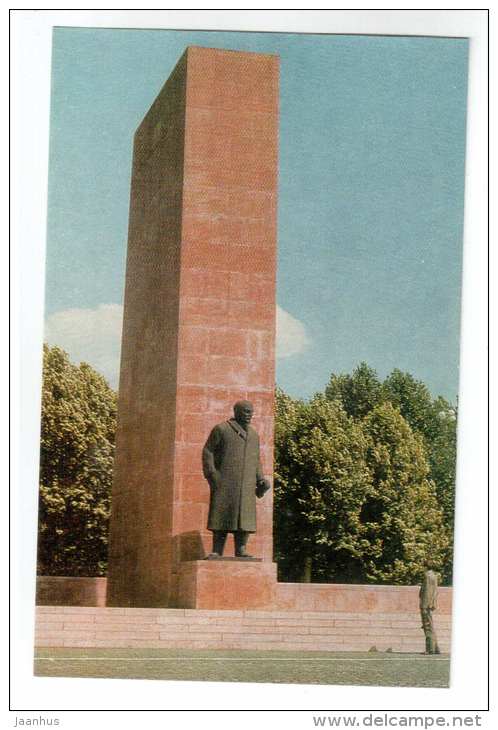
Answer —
199 317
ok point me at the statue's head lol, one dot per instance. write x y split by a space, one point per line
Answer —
428 566
243 411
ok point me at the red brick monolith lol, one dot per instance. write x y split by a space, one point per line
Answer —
199 321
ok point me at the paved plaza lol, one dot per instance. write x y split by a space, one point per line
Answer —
352 668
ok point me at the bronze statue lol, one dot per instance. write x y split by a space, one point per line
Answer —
231 464
428 604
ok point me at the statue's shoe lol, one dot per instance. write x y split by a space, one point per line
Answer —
243 554
212 556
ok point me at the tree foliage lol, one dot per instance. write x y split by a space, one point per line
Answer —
435 420
358 393
394 450
402 516
321 480
442 458
77 448
413 399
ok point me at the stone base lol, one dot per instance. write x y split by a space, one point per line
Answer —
225 584
251 630
366 599
232 559
70 591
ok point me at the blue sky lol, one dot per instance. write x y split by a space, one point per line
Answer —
370 218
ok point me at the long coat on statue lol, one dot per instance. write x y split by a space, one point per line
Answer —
428 591
231 464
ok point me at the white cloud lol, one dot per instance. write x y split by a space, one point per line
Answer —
94 336
90 335
292 338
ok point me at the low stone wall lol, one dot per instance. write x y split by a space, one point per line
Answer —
69 591
221 595
355 598
249 629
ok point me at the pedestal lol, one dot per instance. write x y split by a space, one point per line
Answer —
225 584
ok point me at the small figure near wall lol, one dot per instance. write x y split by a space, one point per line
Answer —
231 464
428 604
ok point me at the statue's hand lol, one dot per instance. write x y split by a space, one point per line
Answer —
262 487
213 479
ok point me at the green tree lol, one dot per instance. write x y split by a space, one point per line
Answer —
414 401
78 424
402 516
353 498
442 458
321 480
434 419
358 393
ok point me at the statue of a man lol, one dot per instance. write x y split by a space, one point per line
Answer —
232 466
428 604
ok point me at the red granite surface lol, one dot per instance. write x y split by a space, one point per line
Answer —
70 591
199 317
252 629
67 591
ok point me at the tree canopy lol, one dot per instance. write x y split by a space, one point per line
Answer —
321 481
434 419
402 516
399 512
77 448
358 393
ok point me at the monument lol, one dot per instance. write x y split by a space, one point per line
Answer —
199 336
232 466
199 327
